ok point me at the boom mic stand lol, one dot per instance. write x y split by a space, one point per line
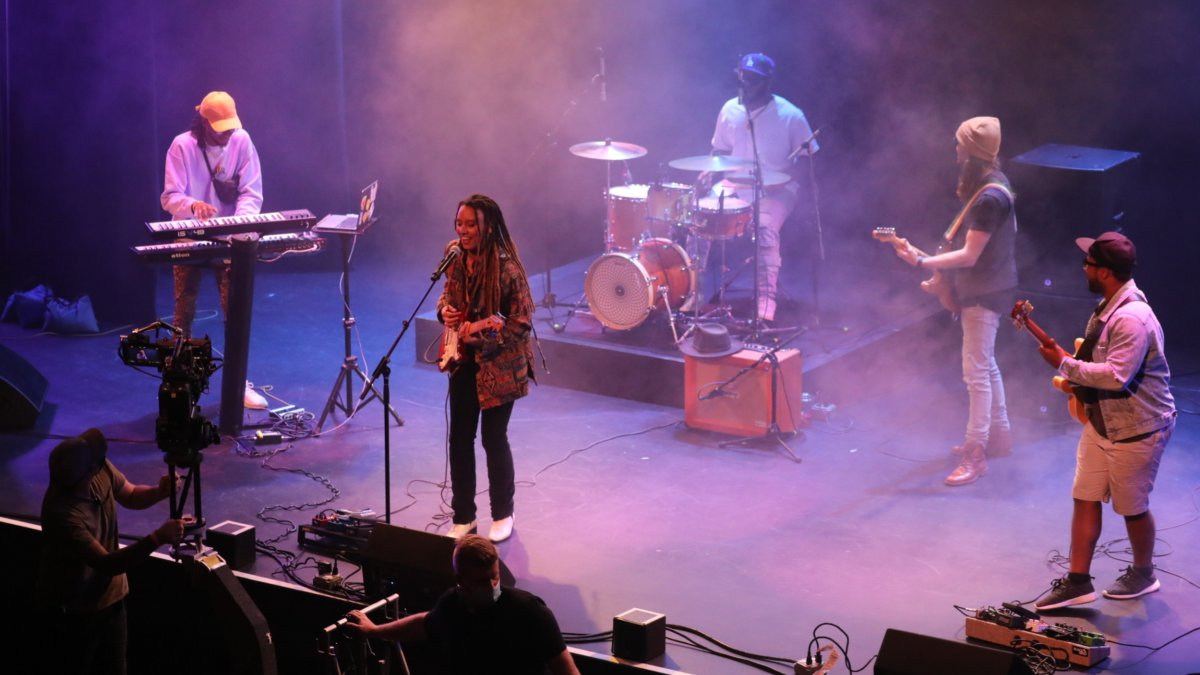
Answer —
549 300
816 197
773 433
384 370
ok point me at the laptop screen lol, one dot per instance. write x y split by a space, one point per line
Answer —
366 207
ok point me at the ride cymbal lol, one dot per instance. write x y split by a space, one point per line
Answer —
607 150
709 163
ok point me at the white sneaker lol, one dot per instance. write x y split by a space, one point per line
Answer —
460 530
766 309
252 399
501 529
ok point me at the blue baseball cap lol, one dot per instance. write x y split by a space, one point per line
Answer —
758 63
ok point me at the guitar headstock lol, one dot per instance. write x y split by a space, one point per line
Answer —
1021 311
887 235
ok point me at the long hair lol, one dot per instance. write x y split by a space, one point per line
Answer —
975 172
495 244
198 130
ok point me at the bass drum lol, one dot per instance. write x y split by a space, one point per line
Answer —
624 288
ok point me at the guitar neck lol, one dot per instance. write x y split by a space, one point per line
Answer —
1037 332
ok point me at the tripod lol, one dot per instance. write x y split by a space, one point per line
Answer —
350 361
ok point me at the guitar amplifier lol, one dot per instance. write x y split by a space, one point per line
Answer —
744 406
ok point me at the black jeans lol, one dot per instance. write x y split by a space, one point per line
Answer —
465 416
85 643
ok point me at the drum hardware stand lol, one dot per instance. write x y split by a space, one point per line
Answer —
773 432
350 361
549 300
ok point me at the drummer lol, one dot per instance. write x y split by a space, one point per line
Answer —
783 134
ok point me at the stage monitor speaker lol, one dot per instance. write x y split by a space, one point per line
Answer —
22 391
1064 192
904 653
744 408
415 565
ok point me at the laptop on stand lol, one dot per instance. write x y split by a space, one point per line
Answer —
353 223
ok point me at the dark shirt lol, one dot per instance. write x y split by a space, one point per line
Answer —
516 635
71 520
989 282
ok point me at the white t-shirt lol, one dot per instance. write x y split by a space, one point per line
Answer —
779 126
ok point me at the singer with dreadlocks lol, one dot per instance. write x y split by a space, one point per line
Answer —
486 300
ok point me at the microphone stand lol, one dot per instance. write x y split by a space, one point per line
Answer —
816 197
384 369
756 176
773 431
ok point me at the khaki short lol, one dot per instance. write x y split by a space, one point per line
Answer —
1121 471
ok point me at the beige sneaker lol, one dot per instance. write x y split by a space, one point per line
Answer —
501 529
252 399
460 530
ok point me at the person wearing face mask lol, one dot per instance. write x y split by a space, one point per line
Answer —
487 305
81 586
781 135
212 170
480 627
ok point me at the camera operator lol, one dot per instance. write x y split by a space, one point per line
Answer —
81 584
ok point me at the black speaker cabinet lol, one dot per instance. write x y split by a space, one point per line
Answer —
904 653
22 390
1064 192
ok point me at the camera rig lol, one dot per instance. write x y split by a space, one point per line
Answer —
181 431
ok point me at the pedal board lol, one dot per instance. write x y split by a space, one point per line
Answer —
1010 630
340 532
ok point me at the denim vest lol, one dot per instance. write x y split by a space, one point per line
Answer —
1128 368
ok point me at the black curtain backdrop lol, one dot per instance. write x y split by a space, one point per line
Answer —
438 100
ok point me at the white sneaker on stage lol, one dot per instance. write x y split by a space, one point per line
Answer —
252 399
460 530
501 529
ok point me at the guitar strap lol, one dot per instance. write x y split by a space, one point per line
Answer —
1090 396
952 231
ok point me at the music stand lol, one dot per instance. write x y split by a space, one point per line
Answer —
350 366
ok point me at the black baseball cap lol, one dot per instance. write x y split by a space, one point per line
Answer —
1111 249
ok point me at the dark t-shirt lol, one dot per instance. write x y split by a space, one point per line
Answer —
71 520
516 635
990 281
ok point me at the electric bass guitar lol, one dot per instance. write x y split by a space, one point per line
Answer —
938 284
1020 317
449 354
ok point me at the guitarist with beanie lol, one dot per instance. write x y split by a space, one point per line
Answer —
975 273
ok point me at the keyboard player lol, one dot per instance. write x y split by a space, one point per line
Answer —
212 169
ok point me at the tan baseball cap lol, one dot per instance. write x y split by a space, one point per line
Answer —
220 111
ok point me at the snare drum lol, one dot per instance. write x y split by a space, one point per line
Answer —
669 203
624 288
721 219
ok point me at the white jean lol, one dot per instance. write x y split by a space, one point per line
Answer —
985 387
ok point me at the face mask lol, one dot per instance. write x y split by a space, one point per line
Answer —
480 598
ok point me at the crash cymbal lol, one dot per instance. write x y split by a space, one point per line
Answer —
770 177
710 163
608 150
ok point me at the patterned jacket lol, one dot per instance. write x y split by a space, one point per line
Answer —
505 359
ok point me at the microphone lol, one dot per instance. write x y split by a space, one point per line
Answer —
807 144
453 253
603 77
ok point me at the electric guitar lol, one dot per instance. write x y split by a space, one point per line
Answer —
1020 317
938 284
449 354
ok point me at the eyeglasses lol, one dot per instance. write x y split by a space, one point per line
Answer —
1091 263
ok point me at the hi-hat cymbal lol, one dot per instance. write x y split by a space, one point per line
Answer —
709 163
770 177
608 150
